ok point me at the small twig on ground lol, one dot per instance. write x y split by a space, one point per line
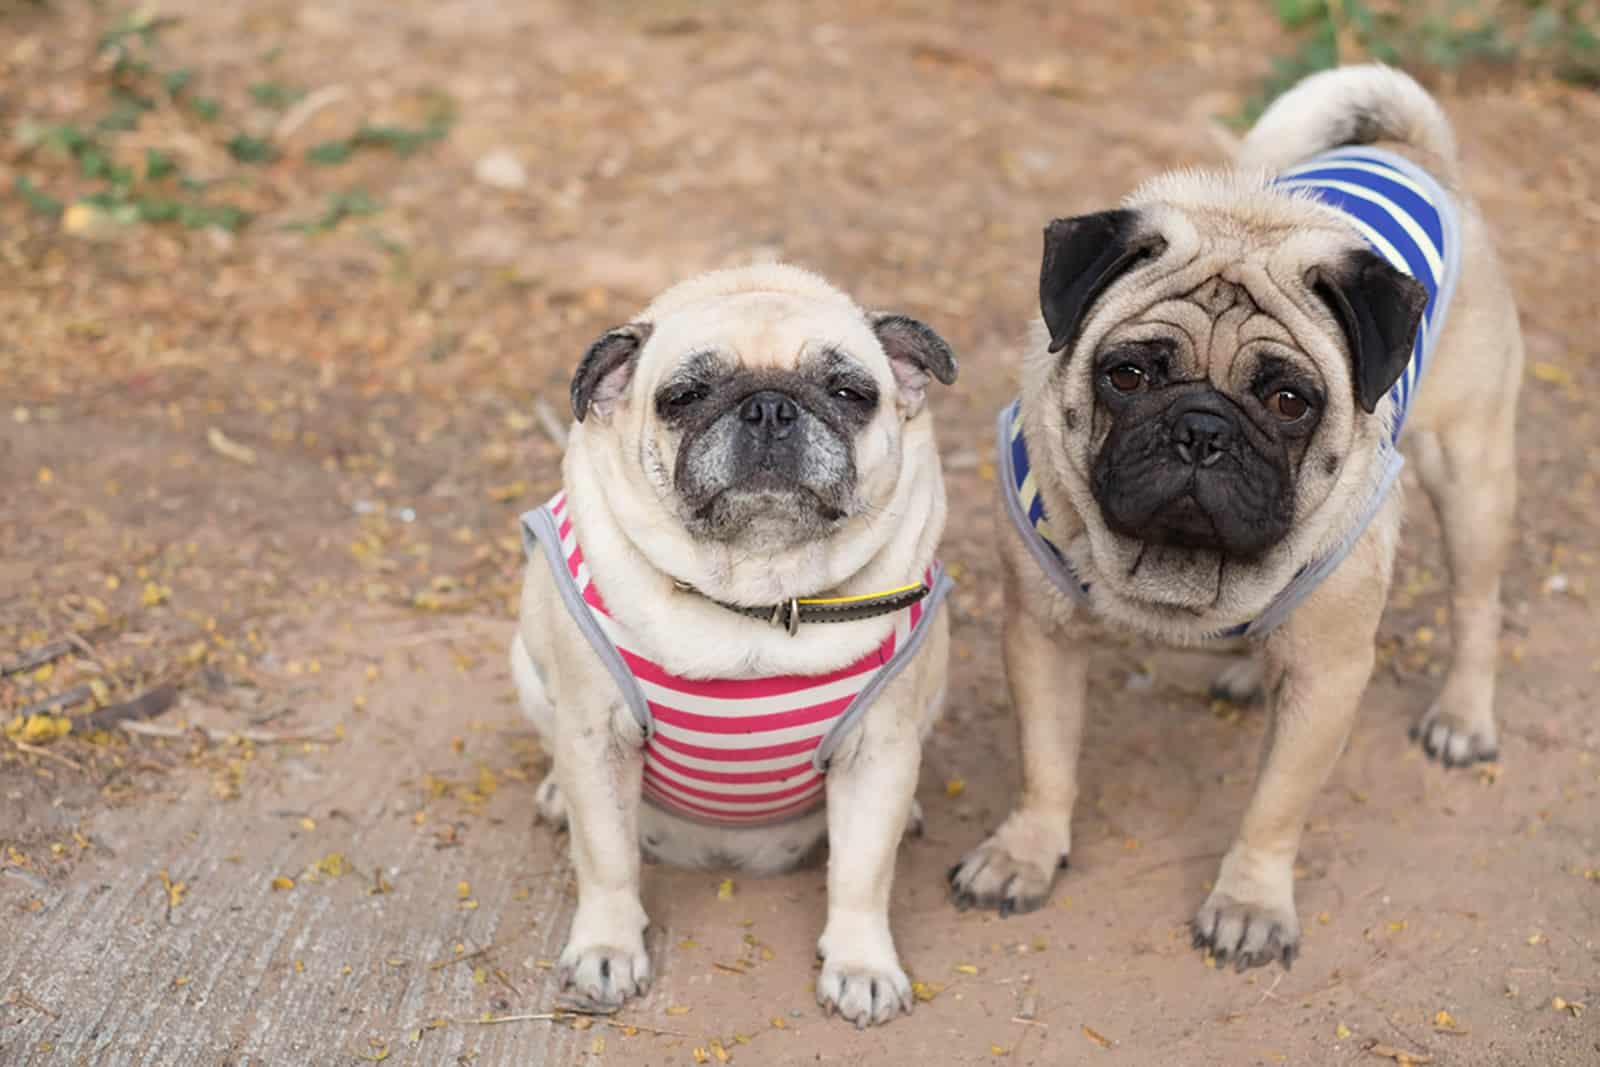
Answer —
548 422
563 1016
45 753
22 999
93 655
64 699
36 657
145 706
484 951
297 115
258 737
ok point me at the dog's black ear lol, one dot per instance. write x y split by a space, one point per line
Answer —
1083 255
606 369
1379 309
916 353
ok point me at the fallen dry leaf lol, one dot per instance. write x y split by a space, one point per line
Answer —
1096 1036
1400 1056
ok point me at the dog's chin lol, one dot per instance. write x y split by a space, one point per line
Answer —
1181 554
769 515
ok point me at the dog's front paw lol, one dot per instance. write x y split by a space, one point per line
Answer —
1250 917
1459 729
1013 870
861 977
602 977
864 994
1242 682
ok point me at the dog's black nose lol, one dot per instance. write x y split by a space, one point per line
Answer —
1201 437
770 413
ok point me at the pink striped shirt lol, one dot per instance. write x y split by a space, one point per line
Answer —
737 751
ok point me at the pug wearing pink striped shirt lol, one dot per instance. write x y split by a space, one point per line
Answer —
731 639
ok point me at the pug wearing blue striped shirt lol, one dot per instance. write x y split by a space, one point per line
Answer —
1206 450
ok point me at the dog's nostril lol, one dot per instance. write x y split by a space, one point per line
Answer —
1201 437
770 410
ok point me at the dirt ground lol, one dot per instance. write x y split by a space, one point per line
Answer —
281 470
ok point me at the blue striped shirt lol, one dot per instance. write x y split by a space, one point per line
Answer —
1411 222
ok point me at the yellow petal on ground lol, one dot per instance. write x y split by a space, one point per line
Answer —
282 882
1550 373
175 890
725 890
1342 1032
965 968
333 865
955 787
463 890
38 728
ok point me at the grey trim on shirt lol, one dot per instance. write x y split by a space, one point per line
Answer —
538 526
1054 566
887 673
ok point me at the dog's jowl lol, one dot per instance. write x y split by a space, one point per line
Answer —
1207 447
731 639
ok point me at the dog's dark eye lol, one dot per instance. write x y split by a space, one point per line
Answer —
1288 405
844 392
1126 378
684 397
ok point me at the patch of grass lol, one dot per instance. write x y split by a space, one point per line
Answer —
275 95
1434 36
137 78
346 205
248 149
36 198
401 140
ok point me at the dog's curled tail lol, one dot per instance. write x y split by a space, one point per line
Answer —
1349 106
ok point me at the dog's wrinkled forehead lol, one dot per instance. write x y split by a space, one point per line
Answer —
765 317
761 331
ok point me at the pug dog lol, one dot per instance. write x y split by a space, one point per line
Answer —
730 638
1205 450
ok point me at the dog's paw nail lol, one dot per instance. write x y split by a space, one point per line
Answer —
951 875
1064 864
1288 957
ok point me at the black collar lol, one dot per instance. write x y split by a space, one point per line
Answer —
789 614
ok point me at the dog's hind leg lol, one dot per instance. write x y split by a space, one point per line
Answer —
1469 472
